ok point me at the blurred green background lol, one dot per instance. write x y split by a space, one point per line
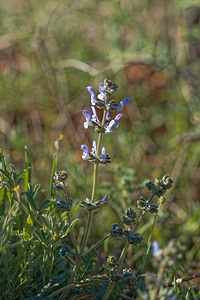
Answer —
51 50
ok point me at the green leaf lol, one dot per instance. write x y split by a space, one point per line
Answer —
7 175
2 200
40 237
31 200
45 221
27 178
176 286
45 203
187 297
24 208
2 160
28 229
36 191
52 175
22 174
73 223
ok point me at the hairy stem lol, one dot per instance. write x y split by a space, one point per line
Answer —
72 233
94 187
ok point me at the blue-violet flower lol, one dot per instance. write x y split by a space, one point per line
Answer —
156 251
94 148
123 103
92 94
103 155
85 149
113 124
94 116
101 88
88 118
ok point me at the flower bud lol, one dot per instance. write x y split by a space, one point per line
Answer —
142 203
130 214
166 182
116 231
111 261
110 87
61 175
128 221
153 208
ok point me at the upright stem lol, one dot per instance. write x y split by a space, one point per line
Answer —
95 176
95 246
149 243
72 233
124 251
51 262
70 221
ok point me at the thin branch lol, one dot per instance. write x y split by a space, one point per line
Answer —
79 285
180 280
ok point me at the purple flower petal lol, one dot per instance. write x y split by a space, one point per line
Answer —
105 198
123 103
107 115
94 147
118 117
156 251
94 116
113 124
59 198
103 154
102 97
101 88
103 151
109 128
87 200
126 101
87 115
155 246
92 93
85 148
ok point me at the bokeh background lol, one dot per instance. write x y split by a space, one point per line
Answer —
50 51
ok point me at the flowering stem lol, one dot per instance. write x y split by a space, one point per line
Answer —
149 243
72 233
124 251
95 175
78 285
51 262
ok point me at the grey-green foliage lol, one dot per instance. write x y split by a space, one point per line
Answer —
33 246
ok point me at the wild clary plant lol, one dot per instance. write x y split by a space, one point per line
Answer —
113 273
37 257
